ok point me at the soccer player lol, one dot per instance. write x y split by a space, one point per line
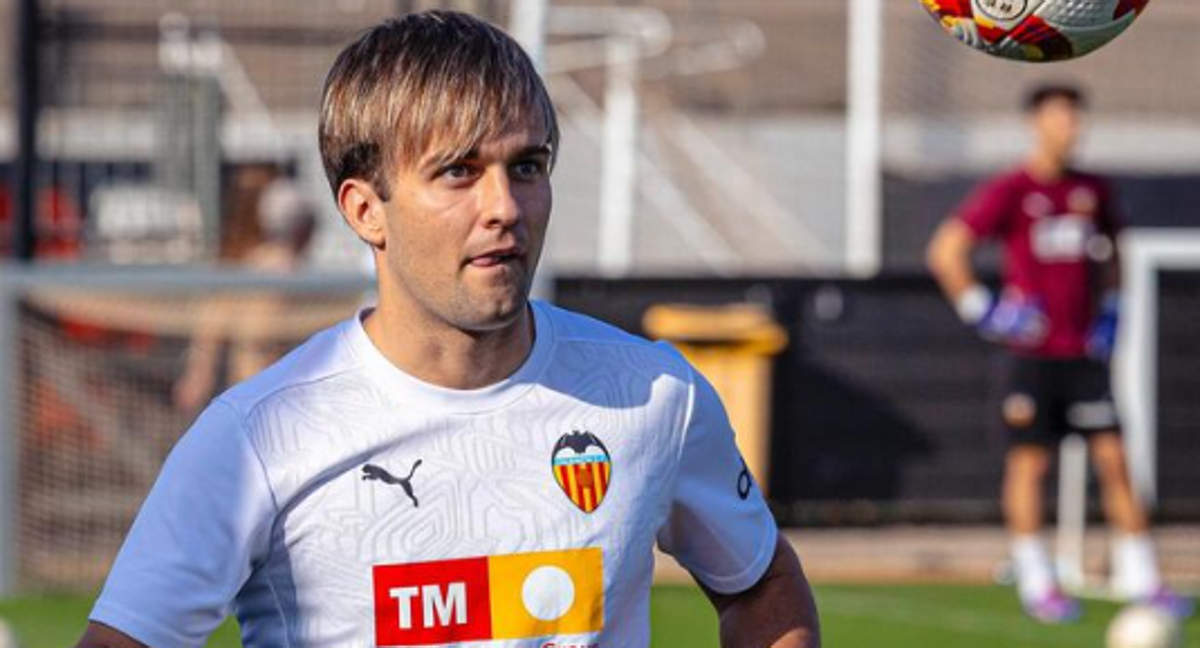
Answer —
1056 314
457 464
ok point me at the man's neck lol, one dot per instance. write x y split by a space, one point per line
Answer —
1046 167
436 352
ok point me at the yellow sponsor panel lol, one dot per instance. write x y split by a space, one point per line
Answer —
546 593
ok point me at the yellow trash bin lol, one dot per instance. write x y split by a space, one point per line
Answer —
733 346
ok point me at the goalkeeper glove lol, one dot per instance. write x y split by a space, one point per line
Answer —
1102 338
1011 319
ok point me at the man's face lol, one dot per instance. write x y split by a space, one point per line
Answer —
463 236
1056 125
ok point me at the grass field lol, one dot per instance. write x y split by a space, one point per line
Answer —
856 616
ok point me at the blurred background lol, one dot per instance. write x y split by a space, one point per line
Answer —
755 179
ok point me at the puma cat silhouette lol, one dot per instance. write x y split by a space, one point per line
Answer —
371 472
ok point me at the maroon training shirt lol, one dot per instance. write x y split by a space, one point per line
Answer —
1051 234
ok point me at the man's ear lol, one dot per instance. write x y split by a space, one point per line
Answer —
363 210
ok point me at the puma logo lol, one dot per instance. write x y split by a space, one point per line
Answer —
371 472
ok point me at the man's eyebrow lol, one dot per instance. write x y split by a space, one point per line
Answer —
449 156
535 150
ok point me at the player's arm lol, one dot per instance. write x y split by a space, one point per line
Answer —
778 611
1102 335
949 259
199 378
203 527
1111 222
1011 318
722 531
1110 274
99 635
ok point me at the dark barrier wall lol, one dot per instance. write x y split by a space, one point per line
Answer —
882 409
1179 395
914 206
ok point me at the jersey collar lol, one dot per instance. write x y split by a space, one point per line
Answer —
409 390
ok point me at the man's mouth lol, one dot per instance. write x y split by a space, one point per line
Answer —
496 258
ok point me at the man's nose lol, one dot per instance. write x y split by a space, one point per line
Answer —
500 207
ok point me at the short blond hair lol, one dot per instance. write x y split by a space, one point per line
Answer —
422 80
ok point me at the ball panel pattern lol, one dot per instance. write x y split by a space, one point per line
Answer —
1035 30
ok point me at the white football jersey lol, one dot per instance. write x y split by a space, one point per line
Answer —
334 500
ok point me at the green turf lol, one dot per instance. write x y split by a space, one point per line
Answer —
929 616
58 621
980 617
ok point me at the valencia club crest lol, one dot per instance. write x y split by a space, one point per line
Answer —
583 469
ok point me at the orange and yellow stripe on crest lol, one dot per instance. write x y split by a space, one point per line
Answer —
584 483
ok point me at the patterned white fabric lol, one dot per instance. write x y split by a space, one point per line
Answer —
267 506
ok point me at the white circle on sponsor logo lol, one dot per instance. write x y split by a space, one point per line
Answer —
1099 248
548 593
1002 9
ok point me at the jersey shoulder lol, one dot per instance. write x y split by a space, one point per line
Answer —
587 334
1014 180
995 196
323 356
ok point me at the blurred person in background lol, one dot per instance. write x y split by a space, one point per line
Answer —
270 227
457 464
1056 314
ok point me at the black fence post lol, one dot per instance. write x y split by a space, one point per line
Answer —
28 73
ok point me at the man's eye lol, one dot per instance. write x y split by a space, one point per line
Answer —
528 169
455 171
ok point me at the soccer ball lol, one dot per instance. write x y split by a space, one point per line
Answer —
1143 626
8 638
1035 30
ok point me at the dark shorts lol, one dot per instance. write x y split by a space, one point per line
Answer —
1044 400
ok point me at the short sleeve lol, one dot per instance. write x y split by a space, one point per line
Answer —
204 525
719 527
987 209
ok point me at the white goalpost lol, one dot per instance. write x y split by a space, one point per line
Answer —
1145 253
864 140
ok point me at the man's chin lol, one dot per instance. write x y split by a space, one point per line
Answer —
496 313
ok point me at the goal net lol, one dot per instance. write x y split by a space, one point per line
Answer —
107 371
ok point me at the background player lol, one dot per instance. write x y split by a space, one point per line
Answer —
271 229
1057 316
438 137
